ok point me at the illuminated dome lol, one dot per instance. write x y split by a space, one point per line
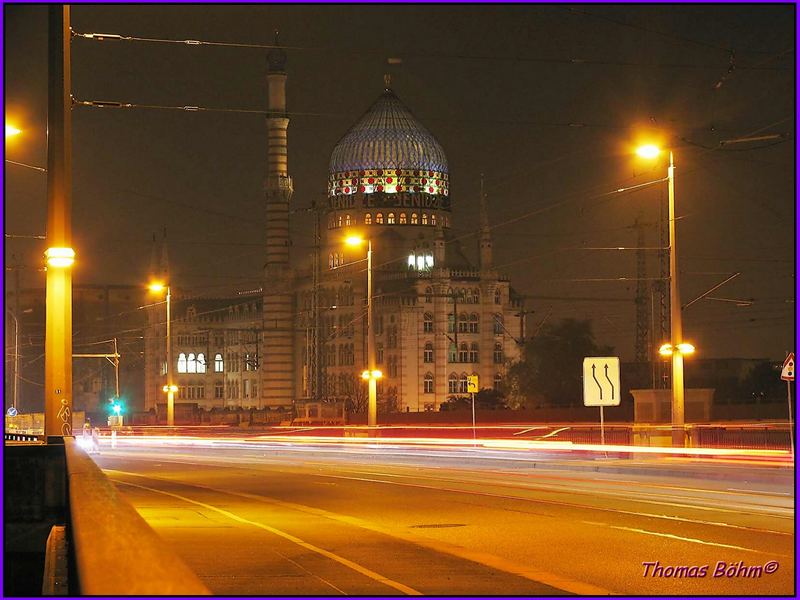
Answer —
388 150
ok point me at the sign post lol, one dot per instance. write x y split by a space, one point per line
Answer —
472 388
787 374
601 385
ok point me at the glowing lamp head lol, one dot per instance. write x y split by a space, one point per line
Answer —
156 287
354 240
648 151
364 374
377 374
686 348
170 388
665 350
11 131
59 257
117 409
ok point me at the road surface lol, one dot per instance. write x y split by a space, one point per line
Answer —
290 518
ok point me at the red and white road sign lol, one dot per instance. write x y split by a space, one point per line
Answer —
787 372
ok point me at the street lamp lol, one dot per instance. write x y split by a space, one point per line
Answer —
16 358
170 388
677 348
12 131
372 374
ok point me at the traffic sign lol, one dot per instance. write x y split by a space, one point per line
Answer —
787 372
12 411
472 384
601 381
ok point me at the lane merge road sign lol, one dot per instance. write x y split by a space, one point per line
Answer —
601 381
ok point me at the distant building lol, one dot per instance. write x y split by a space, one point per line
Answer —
438 317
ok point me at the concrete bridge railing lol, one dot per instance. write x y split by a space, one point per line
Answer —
113 550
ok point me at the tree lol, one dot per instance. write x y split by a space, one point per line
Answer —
552 365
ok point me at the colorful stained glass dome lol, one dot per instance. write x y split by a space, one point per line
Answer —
388 150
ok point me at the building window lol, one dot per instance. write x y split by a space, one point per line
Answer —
451 322
433 220
331 222
473 323
497 296
330 261
181 363
182 392
427 387
201 363
463 353
498 353
452 353
428 294
219 364
390 219
246 388
191 364
339 221
403 219
462 384
473 352
379 218
393 366
347 221
462 323
498 324
414 219
498 381
452 384
368 219
424 218
427 355
219 390
427 323
379 353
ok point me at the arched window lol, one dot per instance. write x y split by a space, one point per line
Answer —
390 219
181 363
219 364
463 353
347 220
462 323
428 294
414 219
450 295
473 323
424 218
498 381
452 353
462 384
379 218
452 384
339 220
473 352
433 220
331 222
368 219
451 323
427 355
201 363
191 363
498 324
330 260
403 219
428 383
498 353
497 296
427 323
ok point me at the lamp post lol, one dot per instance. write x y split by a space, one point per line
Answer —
372 374
170 388
16 358
677 347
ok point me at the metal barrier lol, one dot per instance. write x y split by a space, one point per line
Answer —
104 527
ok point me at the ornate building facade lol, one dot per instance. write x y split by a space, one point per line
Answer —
438 317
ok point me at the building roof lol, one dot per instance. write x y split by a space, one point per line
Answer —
389 137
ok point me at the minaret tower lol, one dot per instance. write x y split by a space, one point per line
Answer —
276 363
485 236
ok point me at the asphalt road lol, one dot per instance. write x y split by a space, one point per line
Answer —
286 519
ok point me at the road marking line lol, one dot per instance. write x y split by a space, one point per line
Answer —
501 564
684 539
341 560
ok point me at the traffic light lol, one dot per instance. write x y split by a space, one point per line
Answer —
116 406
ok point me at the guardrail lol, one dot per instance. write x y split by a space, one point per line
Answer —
105 530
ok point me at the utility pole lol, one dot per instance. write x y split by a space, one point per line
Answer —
59 254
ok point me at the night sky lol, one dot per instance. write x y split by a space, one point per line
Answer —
546 101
